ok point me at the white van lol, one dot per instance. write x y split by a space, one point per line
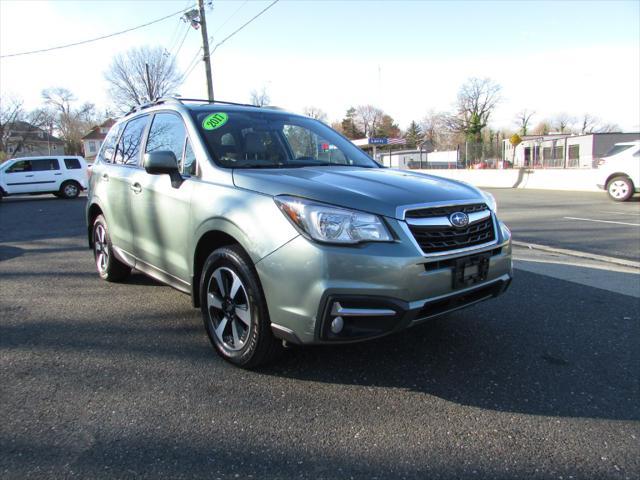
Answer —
64 176
619 171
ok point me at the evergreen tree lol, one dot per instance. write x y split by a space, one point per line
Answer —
413 135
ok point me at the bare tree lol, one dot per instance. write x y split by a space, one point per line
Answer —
542 128
522 119
437 133
141 75
315 112
368 119
608 128
477 99
260 98
563 122
71 123
11 111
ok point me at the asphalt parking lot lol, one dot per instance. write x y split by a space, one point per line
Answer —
119 381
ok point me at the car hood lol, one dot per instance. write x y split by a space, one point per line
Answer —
374 190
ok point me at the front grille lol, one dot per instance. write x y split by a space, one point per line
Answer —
445 211
436 239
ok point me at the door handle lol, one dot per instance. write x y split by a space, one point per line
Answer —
57 174
105 177
136 188
29 175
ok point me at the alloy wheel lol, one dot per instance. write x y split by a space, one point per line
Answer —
101 248
70 190
229 308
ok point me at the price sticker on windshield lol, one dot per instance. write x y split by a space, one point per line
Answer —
215 120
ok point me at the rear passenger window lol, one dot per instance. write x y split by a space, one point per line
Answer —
72 164
44 165
167 134
128 151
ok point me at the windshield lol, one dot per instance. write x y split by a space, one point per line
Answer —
274 140
617 149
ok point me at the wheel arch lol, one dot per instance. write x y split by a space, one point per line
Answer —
92 213
208 241
618 174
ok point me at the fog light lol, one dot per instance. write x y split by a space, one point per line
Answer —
337 325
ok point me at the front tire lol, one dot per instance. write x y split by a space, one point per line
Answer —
109 267
234 310
69 189
620 189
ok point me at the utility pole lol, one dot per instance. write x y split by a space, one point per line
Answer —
205 48
149 92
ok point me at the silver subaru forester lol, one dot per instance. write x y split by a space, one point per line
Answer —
282 231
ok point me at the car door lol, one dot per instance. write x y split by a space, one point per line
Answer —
115 183
161 212
18 177
47 175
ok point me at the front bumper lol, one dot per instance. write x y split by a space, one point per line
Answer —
303 281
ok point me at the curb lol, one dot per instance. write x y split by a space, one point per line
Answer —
575 253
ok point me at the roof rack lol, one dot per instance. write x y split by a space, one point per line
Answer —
181 100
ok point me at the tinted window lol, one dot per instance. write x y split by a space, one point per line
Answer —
72 163
167 134
22 166
189 164
45 165
128 151
108 150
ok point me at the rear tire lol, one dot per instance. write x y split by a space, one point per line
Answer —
234 309
109 267
69 189
620 189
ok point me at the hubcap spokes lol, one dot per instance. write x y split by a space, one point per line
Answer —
229 309
618 189
101 248
70 190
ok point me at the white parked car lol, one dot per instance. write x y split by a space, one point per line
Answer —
619 171
64 176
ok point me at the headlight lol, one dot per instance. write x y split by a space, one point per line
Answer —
326 223
491 201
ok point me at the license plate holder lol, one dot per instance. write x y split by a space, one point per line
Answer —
470 270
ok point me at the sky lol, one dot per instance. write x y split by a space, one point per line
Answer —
406 57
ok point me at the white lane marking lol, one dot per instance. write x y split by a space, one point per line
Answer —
622 213
602 221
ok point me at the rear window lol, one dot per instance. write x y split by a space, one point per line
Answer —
72 164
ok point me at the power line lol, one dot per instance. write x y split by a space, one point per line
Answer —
183 39
95 39
230 17
244 25
192 65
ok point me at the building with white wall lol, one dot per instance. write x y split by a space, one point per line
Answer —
562 150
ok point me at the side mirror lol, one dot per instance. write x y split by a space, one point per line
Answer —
163 162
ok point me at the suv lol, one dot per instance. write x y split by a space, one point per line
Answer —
64 176
619 171
284 232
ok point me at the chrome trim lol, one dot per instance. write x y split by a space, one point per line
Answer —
403 209
405 228
445 222
339 310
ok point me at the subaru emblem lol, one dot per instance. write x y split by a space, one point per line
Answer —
459 219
